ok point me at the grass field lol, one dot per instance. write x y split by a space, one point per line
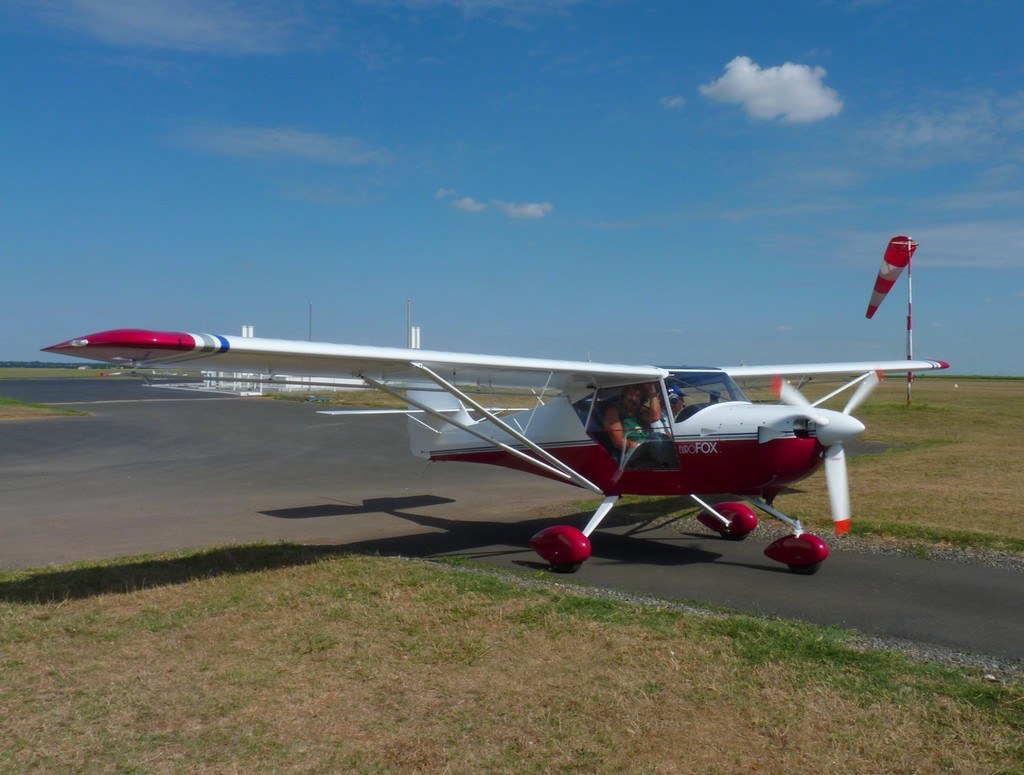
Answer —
284 659
289 659
54 372
20 410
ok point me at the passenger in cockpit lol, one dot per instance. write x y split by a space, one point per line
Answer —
628 425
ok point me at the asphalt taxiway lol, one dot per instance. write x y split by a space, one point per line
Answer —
153 469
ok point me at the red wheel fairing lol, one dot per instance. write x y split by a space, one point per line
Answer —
742 520
561 545
802 553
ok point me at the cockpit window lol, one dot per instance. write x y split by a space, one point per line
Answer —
632 424
691 391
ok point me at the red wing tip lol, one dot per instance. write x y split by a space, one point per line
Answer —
842 527
871 312
70 345
131 338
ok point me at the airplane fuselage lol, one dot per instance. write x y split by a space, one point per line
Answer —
735 447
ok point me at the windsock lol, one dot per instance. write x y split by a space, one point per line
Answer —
896 258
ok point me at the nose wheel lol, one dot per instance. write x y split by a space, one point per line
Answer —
802 554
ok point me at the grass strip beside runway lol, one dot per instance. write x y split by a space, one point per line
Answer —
20 410
290 658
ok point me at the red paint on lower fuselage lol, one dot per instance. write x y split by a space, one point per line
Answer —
742 467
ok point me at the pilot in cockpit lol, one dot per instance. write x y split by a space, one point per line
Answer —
676 404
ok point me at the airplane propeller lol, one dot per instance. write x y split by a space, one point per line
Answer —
833 429
862 392
790 395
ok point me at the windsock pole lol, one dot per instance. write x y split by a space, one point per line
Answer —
910 324
897 257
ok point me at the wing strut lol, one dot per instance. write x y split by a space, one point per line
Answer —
846 386
548 463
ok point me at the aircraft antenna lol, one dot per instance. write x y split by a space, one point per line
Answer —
910 322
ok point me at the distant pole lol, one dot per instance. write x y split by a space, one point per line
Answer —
910 326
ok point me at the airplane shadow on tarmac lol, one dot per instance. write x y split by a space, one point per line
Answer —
54 586
461 538
368 506
479 540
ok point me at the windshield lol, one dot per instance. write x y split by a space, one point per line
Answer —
691 391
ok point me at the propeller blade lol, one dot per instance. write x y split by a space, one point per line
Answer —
863 390
838 487
793 397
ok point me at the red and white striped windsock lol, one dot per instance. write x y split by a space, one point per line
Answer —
896 258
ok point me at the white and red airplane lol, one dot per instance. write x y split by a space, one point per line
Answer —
611 429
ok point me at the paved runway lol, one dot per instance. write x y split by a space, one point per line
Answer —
154 469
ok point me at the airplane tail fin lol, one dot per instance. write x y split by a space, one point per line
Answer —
425 429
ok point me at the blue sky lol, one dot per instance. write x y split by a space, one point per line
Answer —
639 182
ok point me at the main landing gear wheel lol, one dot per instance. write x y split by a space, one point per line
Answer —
563 547
742 520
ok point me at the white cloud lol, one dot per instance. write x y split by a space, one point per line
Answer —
512 8
468 205
958 129
794 93
673 102
971 244
210 26
525 210
517 210
282 143
953 127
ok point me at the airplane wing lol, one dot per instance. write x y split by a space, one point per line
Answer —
813 369
137 348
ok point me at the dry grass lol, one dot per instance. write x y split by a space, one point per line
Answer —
292 662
